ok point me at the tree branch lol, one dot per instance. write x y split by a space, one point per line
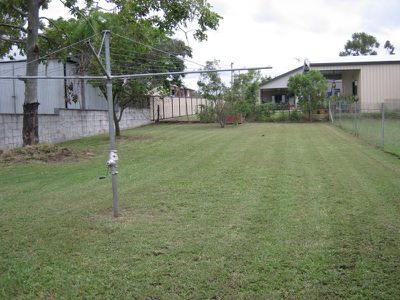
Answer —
120 113
13 26
2 38
45 37
50 21
20 11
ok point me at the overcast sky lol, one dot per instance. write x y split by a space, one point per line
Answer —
277 32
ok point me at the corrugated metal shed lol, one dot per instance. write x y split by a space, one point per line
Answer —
51 93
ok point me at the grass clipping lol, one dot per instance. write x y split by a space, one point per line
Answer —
41 153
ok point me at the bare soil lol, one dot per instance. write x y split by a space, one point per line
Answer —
42 153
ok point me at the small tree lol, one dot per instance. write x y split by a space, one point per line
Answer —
389 47
361 44
310 88
212 88
244 91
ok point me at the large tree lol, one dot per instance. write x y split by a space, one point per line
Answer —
137 47
360 44
20 22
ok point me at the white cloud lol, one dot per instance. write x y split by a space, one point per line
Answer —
275 32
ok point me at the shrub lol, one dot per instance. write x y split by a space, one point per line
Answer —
207 114
295 115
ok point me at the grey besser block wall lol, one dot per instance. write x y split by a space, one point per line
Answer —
67 125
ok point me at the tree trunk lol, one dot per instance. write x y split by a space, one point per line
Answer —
30 129
116 121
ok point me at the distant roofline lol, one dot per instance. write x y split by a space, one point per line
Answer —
280 76
356 63
12 61
69 59
373 61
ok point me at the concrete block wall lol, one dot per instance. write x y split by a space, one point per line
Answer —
67 125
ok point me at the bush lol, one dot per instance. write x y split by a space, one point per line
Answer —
295 115
207 114
280 116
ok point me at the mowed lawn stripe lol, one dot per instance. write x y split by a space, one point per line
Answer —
254 211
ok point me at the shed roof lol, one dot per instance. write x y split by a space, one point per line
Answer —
334 62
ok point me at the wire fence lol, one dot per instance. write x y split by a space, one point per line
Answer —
377 124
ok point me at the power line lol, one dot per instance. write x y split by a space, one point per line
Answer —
54 52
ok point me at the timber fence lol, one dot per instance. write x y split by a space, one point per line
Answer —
163 108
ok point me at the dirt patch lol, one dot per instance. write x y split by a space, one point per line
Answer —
42 153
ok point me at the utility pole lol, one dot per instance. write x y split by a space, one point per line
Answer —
231 74
113 156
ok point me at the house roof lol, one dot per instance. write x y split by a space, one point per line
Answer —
342 61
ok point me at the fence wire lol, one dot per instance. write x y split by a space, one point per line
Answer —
377 124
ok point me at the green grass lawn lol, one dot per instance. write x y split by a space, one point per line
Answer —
370 130
251 212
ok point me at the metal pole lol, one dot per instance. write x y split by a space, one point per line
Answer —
138 75
113 157
231 74
14 96
383 126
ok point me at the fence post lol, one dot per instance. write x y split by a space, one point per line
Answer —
172 105
383 126
354 119
153 109
163 108
179 102
186 105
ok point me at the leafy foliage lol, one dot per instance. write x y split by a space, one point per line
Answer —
169 15
211 87
361 44
137 47
149 21
389 47
311 84
244 91
13 24
207 114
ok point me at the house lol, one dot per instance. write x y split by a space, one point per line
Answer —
372 79
183 92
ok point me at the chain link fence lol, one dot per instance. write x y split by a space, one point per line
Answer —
377 124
